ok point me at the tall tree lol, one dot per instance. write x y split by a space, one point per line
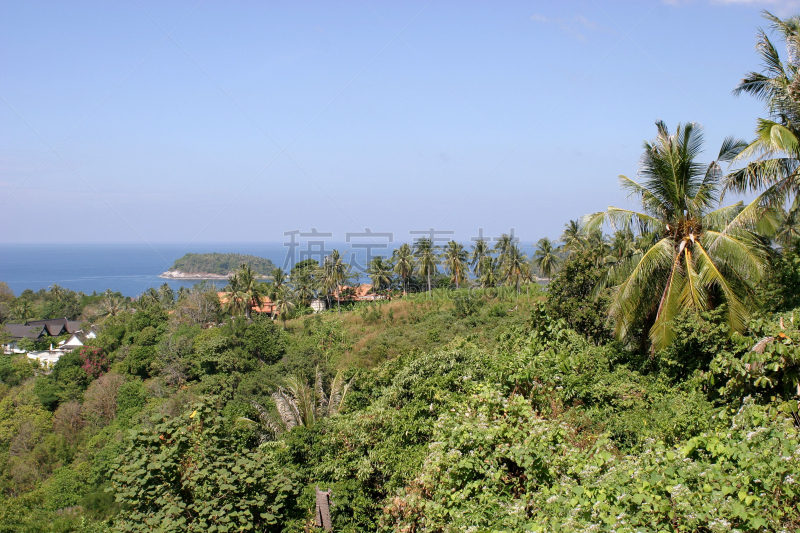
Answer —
545 257
479 250
57 291
572 237
488 272
427 257
335 272
503 247
244 291
513 267
703 256
404 263
22 309
775 171
305 281
380 272
454 259
283 302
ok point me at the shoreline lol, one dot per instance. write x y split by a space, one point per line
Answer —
177 274
199 276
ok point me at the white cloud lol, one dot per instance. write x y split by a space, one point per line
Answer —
573 26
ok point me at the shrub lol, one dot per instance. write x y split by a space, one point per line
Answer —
265 340
183 475
570 296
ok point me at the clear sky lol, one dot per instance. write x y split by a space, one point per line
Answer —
151 121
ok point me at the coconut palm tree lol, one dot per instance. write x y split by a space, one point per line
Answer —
454 260
572 237
110 304
545 257
488 270
304 281
503 247
703 256
166 295
479 250
404 263
57 291
380 272
426 254
335 273
283 301
788 229
775 171
22 310
514 267
244 291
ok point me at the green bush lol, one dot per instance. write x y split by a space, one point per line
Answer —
65 487
264 339
181 474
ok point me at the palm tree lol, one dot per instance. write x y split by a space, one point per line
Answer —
454 259
488 270
22 310
622 245
545 257
299 404
283 302
427 255
149 298
702 258
788 229
513 267
479 250
572 237
335 273
57 291
304 280
776 148
380 272
244 291
110 304
503 247
166 295
404 263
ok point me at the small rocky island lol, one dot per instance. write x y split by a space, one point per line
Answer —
215 266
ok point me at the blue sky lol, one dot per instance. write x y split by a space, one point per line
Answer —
208 121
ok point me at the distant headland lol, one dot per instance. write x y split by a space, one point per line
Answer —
215 266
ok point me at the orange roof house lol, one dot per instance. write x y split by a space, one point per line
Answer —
359 293
267 305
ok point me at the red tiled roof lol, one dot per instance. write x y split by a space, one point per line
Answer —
267 305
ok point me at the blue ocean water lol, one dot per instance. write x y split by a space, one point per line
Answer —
128 268
133 268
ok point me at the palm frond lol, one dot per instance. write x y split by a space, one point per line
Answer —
661 334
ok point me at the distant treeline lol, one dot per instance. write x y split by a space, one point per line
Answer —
222 264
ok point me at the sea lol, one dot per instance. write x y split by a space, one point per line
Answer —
126 268
131 269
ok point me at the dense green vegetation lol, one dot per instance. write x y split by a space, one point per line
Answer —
221 264
652 386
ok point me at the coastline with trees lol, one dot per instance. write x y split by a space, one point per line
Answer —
653 384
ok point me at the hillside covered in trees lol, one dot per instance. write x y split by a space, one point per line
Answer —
219 264
651 386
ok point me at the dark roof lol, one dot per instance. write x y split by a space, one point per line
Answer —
54 330
57 326
21 331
